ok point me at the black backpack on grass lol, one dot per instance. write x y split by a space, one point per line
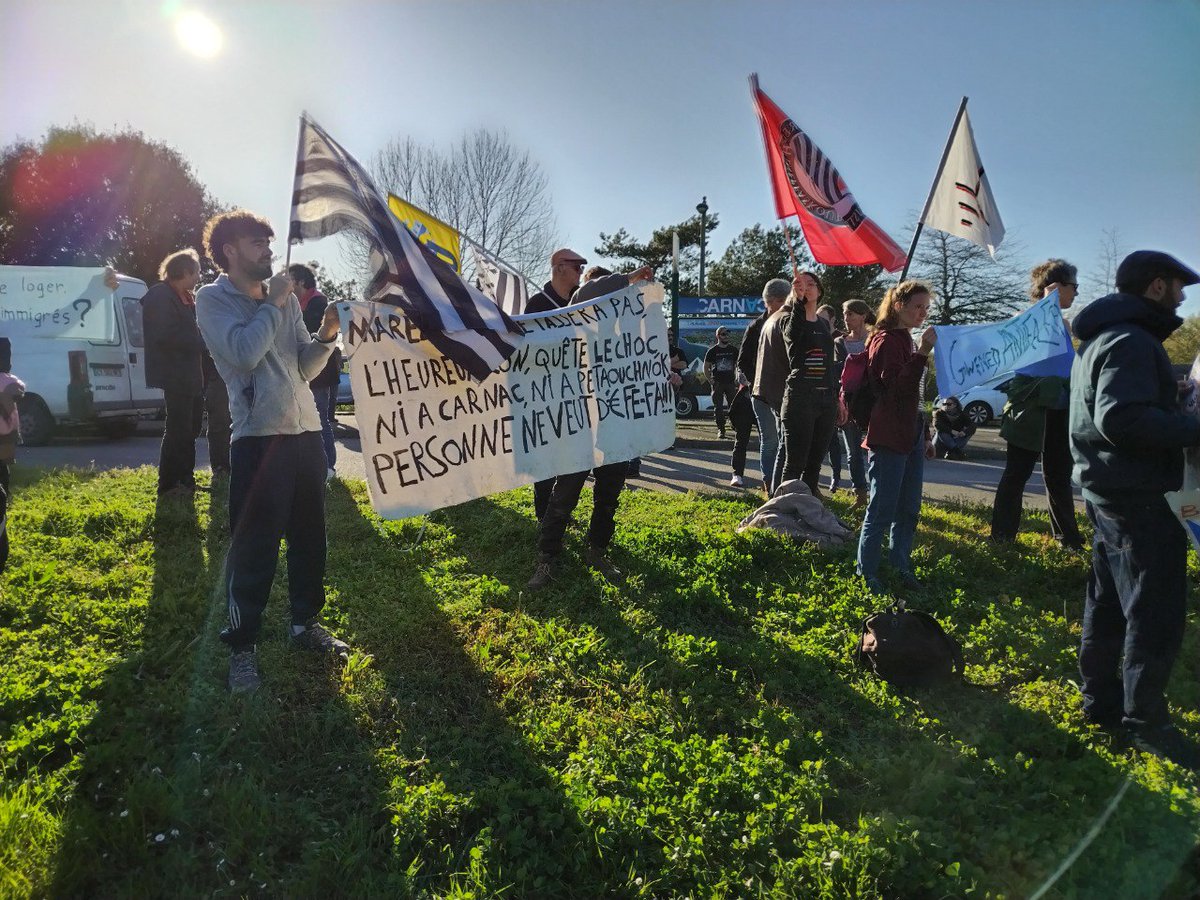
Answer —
908 648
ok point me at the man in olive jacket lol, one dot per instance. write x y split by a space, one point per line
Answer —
1127 440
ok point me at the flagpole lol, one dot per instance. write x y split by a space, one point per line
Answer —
962 108
787 239
299 149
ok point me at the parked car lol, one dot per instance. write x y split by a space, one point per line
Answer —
984 402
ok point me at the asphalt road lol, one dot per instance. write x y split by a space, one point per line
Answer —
698 461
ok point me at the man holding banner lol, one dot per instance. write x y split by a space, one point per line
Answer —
1127 439
609 479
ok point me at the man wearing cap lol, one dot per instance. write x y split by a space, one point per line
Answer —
564 490
566 266
1127 440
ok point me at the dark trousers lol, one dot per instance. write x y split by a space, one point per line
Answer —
835 458
177 456
1056 473
741 443
809 418
216 406
1135 607
541 497
723 393
276 490
606 494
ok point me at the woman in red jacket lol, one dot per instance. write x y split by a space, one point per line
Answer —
897 441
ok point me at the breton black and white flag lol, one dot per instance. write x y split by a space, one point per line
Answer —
333 193
506 287
962 203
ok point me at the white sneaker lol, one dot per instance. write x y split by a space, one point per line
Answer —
329 475
736 481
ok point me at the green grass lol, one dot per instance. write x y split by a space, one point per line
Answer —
699 731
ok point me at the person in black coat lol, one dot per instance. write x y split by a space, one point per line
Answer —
175 363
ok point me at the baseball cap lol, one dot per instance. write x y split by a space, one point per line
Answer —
565 255
1140 267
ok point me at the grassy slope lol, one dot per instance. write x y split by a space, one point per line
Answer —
700 730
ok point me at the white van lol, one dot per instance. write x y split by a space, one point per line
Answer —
96 379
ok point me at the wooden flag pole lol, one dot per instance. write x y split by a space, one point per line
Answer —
912 248
787 239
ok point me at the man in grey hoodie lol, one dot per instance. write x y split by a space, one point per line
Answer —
1127 440
265 355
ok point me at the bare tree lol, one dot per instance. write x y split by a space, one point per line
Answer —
970 285
1102 278
483 186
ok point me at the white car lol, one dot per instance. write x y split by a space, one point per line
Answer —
984 402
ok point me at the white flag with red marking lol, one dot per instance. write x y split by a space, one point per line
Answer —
962 203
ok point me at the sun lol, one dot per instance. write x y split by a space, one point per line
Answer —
199 34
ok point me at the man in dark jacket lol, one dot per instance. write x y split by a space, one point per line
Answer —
325 385
565 489
174 362
566 268
1127 440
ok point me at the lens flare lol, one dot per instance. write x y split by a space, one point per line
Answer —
199 34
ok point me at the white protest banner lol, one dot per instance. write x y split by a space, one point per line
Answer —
967 355
587 385
55 302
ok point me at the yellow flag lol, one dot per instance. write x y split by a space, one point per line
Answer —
433 233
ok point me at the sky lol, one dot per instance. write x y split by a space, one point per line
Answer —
1086 114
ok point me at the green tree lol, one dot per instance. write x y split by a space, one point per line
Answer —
86 199
1184 342
759 254
752 259
624 252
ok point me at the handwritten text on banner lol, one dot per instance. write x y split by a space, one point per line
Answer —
586 386
55 302
967 355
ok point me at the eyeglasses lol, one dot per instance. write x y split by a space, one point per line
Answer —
577 266
1072 284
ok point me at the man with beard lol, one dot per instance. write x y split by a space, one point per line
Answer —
266 356
1127 439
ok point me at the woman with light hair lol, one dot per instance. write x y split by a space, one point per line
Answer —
898 440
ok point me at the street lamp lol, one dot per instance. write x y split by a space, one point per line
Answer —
702 208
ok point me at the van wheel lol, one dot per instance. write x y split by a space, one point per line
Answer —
37 425
685 406
115 429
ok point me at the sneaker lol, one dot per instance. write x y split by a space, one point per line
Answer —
243 672
329 475
178 492
736 481
1166 742
861 498
598 559
721 433
543 573
315 637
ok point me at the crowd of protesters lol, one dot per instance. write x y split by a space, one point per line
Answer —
254 353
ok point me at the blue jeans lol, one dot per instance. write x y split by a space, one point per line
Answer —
326 399
895 480
836 451
856 456
768 437
944 441
1136 606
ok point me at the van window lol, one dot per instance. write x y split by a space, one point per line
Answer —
132 308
